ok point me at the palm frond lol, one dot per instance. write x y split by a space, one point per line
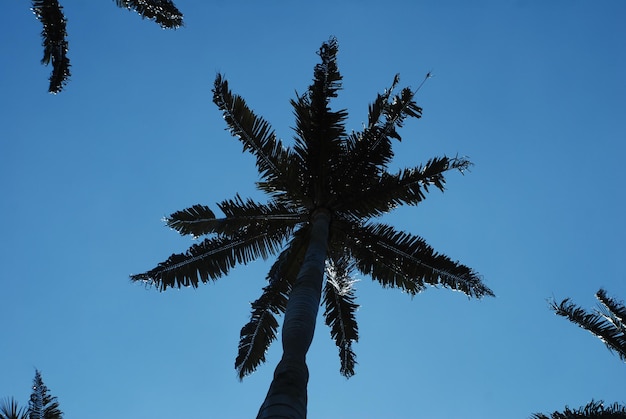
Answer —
258 334
408 186
210 259
612 310
386 114
340 310
592 409
399 259
253 131
10 409
607 327
55 46
163 12
319 131
240 216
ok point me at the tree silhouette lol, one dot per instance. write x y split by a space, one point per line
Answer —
324 193
41 405
54 34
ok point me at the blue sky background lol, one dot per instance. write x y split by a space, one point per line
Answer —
533 92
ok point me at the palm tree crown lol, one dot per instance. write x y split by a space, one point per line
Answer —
324 192
326 170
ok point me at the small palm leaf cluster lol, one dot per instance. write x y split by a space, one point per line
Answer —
54 34
592 410
326 169
607 322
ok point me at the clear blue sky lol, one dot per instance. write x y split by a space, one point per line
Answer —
532 91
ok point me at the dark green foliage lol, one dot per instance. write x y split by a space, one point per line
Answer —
325 170
607 322
42 405
53 34
591 410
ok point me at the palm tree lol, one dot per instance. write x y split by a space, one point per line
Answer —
324 192
54 34
41 405
607 321
9 409
592 410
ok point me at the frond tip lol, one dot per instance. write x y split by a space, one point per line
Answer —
55 46
163 12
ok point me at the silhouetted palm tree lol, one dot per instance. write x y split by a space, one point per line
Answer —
41 405
324 192
54 34
607 321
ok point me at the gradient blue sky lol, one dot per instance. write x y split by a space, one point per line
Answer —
532 91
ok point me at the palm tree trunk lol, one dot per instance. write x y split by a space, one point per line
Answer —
287 396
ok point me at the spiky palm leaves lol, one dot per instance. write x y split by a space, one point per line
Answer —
607 322
592 410
326 168
54 34
10 409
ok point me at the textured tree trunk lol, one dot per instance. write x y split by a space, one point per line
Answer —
287 396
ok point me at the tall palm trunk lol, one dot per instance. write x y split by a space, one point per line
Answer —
287 396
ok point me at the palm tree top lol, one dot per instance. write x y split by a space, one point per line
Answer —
328 170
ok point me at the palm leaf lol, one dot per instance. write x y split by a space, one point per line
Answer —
9 409
607 326
50 14
163 12
258 334
240 216
591 410
613 311
399 259
319 131
340 311
408 186
211 259
254 132
385 115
